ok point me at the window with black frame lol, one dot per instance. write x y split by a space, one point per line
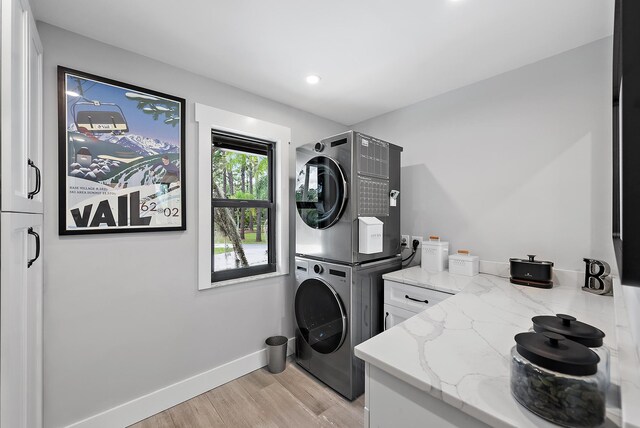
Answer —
242 207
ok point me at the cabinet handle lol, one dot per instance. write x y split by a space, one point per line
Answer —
385 321
35 191
32 232
406 296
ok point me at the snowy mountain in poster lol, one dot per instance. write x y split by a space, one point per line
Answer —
144 146
118 137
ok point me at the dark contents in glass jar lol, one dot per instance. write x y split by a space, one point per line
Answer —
564 400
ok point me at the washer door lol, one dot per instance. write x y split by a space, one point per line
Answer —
320 315
321 192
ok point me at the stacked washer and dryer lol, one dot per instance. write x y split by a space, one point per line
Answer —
343 183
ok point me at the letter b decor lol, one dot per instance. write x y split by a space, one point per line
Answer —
596 277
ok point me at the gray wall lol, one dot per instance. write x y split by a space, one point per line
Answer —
513 165
123 316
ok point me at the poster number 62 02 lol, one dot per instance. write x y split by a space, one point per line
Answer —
167 212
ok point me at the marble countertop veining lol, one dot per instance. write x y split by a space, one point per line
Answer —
459 350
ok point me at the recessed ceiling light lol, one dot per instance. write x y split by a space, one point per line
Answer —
312 79
73 94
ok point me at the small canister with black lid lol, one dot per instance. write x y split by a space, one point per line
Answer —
558 379
577 331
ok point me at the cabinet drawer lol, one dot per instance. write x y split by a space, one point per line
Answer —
410 297
394 315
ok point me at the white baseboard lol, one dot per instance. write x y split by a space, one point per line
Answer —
155 402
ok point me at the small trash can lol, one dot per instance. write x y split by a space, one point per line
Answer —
276 353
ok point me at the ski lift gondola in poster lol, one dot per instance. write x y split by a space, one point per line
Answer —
121 157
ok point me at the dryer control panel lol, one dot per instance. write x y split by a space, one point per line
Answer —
302 269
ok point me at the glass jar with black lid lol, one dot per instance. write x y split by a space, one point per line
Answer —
577 331
558 379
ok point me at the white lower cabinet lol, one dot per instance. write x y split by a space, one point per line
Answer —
21 284
402 301
394 315
392 402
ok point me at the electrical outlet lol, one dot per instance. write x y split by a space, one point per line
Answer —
419 238
404 240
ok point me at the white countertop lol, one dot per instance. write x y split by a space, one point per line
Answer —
439 281
459 349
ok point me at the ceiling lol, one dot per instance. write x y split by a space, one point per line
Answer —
373 56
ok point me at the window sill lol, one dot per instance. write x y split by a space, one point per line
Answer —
245 279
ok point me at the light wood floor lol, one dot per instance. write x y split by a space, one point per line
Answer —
292 398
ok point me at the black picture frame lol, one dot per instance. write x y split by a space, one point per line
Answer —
103 126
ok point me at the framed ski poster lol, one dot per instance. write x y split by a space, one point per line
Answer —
121 157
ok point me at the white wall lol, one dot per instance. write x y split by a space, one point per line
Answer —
123 315
517 164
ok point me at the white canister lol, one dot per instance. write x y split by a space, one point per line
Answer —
464 263
435 254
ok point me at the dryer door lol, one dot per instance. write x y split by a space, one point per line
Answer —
321 192
320 315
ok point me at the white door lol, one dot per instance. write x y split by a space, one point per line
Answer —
21 284
20 109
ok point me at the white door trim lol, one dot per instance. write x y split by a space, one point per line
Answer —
209 118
